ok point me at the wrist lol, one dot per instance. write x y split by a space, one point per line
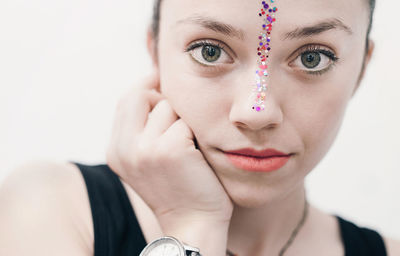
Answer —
210 237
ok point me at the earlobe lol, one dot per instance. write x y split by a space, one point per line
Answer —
371 48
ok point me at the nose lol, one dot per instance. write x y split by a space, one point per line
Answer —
242 115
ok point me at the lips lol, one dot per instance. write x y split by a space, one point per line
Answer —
249 159
270 152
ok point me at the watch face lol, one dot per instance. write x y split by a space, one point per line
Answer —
164 246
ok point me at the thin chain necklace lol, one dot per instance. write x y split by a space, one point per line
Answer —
292 236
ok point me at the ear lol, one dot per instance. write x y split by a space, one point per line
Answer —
152 50
366 60
152 47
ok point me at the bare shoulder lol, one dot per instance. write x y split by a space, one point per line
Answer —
45 210
392 246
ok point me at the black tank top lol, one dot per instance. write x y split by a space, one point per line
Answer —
117 231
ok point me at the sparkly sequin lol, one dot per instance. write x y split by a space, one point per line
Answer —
262 50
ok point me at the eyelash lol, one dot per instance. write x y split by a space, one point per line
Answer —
205 43
302 50
317 49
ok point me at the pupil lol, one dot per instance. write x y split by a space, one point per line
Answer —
311 59
211 51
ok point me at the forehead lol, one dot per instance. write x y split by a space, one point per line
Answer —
243 14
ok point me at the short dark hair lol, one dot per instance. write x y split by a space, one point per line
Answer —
155 25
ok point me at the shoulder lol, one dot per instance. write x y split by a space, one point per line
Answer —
45 210
369 235
392 246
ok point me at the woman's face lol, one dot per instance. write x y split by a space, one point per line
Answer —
212 93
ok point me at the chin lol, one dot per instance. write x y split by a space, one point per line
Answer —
249 203
249 196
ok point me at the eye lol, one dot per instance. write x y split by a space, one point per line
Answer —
315 59
209 53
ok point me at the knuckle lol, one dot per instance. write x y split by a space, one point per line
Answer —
152 155
164 152
144 156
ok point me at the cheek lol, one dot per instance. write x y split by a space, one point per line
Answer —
317 118
201 101
321 112
195 99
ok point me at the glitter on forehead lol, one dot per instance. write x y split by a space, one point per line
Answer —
263 49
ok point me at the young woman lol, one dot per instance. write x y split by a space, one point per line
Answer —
245 98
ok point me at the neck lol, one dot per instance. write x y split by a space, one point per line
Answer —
265 230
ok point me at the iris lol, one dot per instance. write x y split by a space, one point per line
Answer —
210 53
310 59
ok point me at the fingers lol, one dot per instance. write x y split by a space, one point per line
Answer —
151 82
132 113
143 114
115 146
151 85
159 120
136 106
179 130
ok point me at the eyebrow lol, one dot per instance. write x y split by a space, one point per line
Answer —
215 25
298 33
317 29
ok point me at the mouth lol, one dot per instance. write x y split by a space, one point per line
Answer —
269 152
249 159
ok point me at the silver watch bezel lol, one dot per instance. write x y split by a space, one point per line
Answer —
182 247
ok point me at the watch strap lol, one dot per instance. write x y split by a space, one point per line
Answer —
191 251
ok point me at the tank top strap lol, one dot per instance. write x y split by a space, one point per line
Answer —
360 240
116 229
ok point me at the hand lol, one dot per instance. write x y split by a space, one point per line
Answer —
156 155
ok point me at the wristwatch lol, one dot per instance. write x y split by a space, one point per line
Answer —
169 246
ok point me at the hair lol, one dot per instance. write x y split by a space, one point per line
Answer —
155 25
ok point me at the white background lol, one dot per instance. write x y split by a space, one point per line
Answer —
64 65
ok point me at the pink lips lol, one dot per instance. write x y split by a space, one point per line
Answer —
258 161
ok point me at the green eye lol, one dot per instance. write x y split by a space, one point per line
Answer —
311 59
210 53
314 60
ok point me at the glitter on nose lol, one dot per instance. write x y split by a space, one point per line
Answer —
264 47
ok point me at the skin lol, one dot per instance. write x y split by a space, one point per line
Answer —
303 114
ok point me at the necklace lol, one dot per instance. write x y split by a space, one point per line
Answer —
292 236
